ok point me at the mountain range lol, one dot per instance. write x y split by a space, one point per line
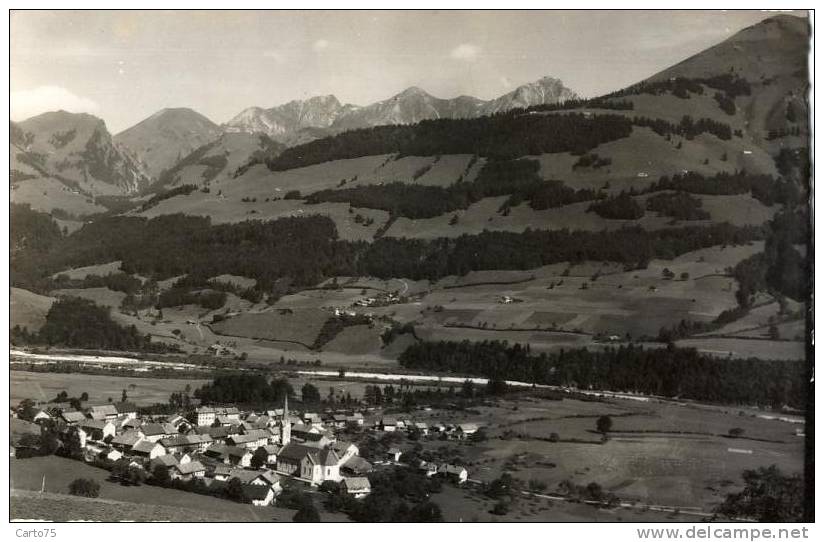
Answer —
325 115
78 151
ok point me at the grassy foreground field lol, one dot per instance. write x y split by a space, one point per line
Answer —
120 503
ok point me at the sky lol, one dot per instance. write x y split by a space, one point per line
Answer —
123 66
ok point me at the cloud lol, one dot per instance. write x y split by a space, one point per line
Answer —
320 45
27 103
466 52
505 82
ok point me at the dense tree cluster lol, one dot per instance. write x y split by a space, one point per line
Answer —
620 207
420 259
678 205
176 296
79 323
519 179
769 495
304 249
32 235
334 325
670 372
730 84
244 389
398 495
119 282
592 160
765 188
301 251
687 127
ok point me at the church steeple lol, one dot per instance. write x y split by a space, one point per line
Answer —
285 424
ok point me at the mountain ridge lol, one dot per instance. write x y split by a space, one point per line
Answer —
411 105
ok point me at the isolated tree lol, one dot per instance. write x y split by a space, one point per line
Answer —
259 458
84 396
603 424
468 389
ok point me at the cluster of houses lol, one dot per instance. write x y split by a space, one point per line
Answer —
218 445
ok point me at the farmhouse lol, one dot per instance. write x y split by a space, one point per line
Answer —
125 441
465 430
357 466
272 451
167 461
187 471
229 454
72 417
127 409
259 495
455 473
154 431
97 429
345 450
393 454
102 412
147 449
358 487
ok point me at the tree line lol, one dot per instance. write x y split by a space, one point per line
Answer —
290 253
669 372
519 179
501 136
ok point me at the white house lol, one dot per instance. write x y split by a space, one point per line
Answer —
205 416
260 495
394 454
454 472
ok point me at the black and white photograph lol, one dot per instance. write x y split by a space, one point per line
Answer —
411 266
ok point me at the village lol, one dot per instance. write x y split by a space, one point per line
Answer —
258 452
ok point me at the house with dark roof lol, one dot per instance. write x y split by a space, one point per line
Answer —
166 460
72 417
187 471
455 473
97 429
147 449
356 466
259 495
344 449
126 409
229 455
125 441
154 431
